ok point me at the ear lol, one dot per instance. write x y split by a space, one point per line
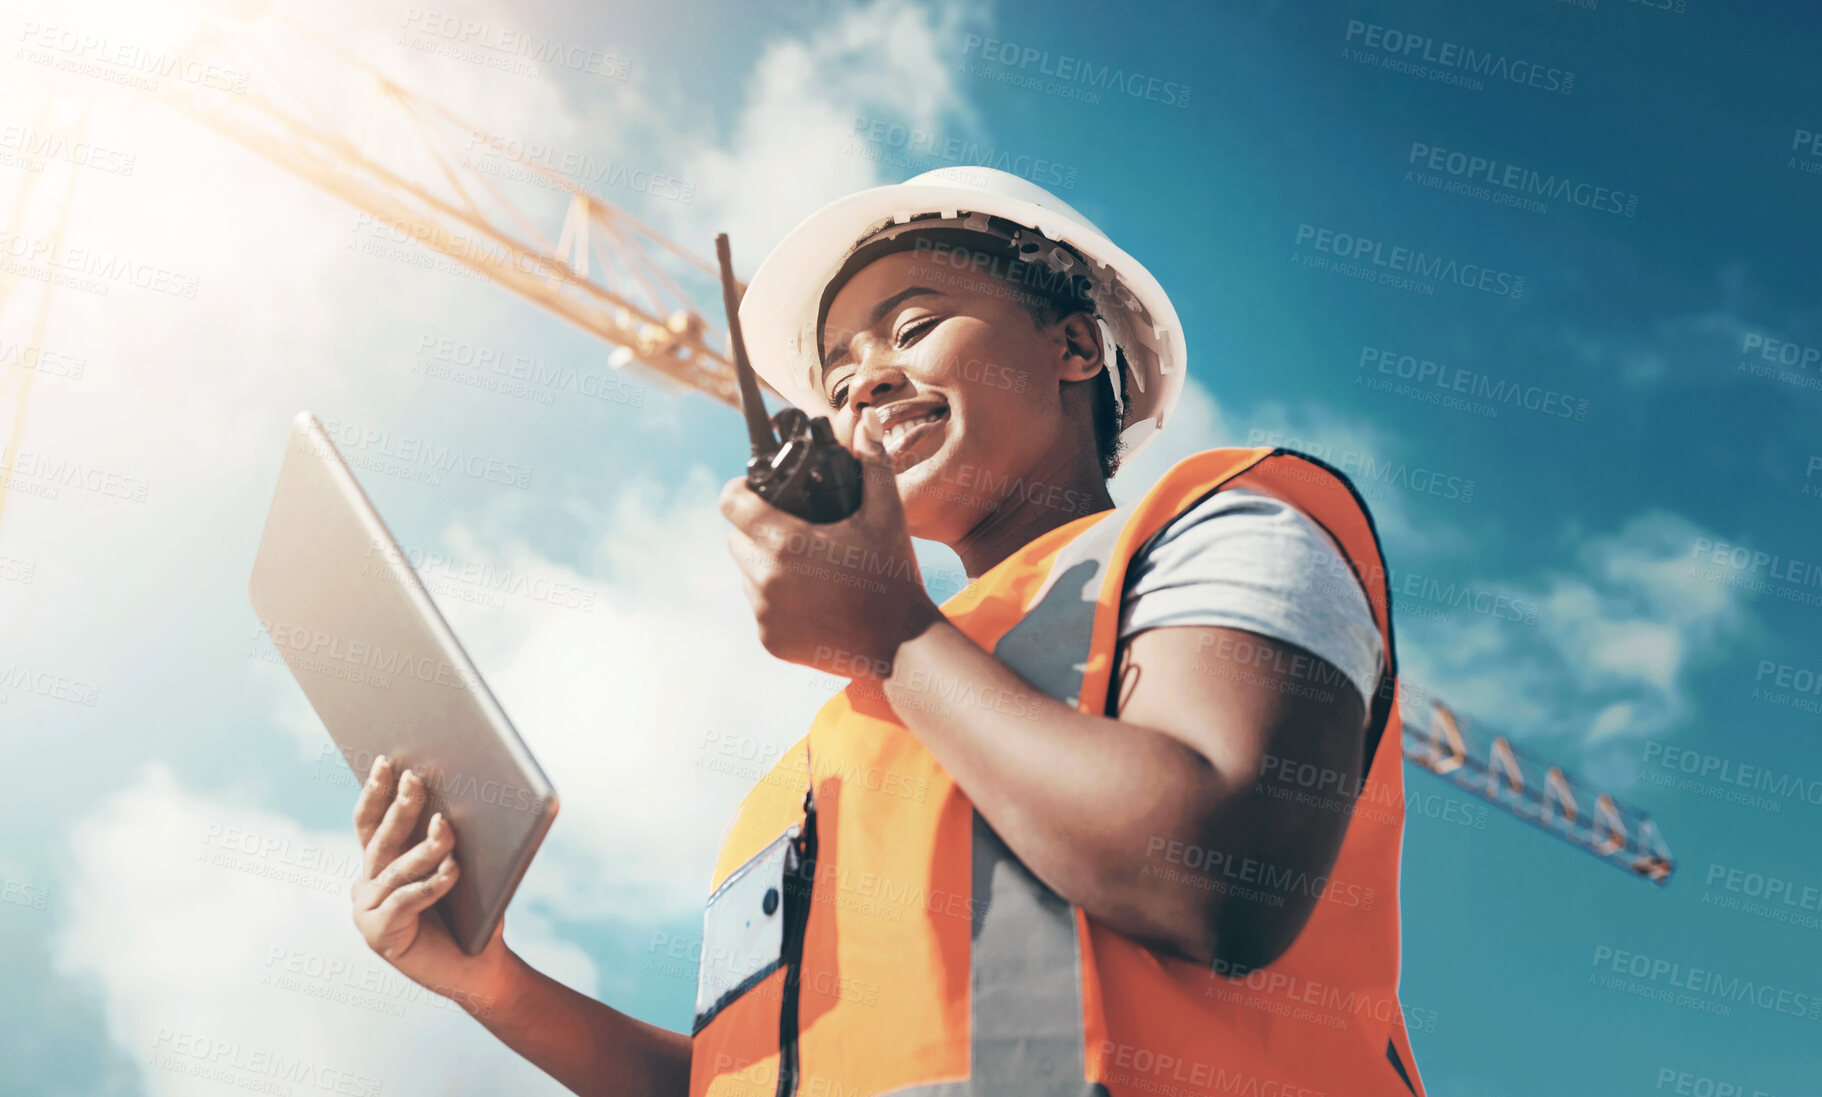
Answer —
1083 355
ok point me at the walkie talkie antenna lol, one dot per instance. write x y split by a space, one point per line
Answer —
759 424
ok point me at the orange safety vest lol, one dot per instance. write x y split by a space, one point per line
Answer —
876 936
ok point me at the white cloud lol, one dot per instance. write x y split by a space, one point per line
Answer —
793 146
220 934
1642 617
1689 349
1613 719
1608 660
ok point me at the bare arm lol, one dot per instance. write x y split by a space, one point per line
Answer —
589 1047
1137 818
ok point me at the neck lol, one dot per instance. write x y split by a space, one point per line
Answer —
1070 491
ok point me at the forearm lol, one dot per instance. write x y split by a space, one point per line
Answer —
589 1047
1058 785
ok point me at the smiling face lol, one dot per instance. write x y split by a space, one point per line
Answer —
981 402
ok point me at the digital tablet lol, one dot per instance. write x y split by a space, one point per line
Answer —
386 675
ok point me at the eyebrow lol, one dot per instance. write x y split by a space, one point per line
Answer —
879 313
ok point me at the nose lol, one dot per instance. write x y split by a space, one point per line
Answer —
877 378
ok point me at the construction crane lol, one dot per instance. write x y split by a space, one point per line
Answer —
617 278
607 272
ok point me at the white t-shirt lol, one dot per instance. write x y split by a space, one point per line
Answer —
1243 559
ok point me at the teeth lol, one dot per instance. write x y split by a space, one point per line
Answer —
896 430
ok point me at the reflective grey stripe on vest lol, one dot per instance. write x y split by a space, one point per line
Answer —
1025 987
1049 645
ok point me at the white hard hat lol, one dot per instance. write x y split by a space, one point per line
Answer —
782 312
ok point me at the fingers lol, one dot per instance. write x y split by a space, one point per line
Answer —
419 861
415 898
753 565
743 506
395 827
754 562
737 501
375 795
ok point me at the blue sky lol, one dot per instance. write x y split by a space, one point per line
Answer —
1660 290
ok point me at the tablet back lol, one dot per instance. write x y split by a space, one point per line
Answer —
381 667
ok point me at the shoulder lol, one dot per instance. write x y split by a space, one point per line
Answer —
1256 505
1242 525
1246 559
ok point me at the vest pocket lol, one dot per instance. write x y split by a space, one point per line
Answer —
744 931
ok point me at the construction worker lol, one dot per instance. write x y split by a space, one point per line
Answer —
1121 817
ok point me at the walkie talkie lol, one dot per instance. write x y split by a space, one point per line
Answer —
802 470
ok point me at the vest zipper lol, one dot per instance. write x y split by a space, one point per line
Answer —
797 919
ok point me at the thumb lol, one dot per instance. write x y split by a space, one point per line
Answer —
881 490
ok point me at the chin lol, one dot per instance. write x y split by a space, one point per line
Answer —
924 488
939 505
921 492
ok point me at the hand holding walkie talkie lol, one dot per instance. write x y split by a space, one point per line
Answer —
803 471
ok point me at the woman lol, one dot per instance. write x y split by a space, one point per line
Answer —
1086 828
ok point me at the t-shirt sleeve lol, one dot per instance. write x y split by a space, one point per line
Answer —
1246 560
